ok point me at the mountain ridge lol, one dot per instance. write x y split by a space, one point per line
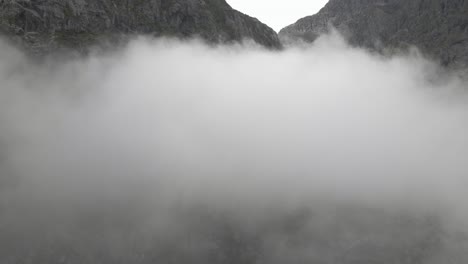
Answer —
439 28
44 26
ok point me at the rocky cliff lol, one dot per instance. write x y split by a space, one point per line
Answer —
45 25
439 28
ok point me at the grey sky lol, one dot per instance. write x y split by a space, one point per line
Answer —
278 14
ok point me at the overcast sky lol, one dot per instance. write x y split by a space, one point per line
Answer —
278 14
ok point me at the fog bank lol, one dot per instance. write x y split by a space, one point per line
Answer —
171 151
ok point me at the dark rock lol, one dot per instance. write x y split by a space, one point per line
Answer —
47 25
439 28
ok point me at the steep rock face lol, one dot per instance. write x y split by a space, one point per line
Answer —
44 25
438 27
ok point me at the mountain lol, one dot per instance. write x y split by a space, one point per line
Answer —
48 25
439 28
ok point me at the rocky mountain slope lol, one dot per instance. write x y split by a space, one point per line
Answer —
437 27
45 25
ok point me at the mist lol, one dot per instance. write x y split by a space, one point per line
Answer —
177 152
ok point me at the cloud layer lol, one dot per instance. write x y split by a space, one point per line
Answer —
178 151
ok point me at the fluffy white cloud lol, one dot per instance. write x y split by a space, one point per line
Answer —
130 139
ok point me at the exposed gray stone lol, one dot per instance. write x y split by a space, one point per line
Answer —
439 28
47 25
